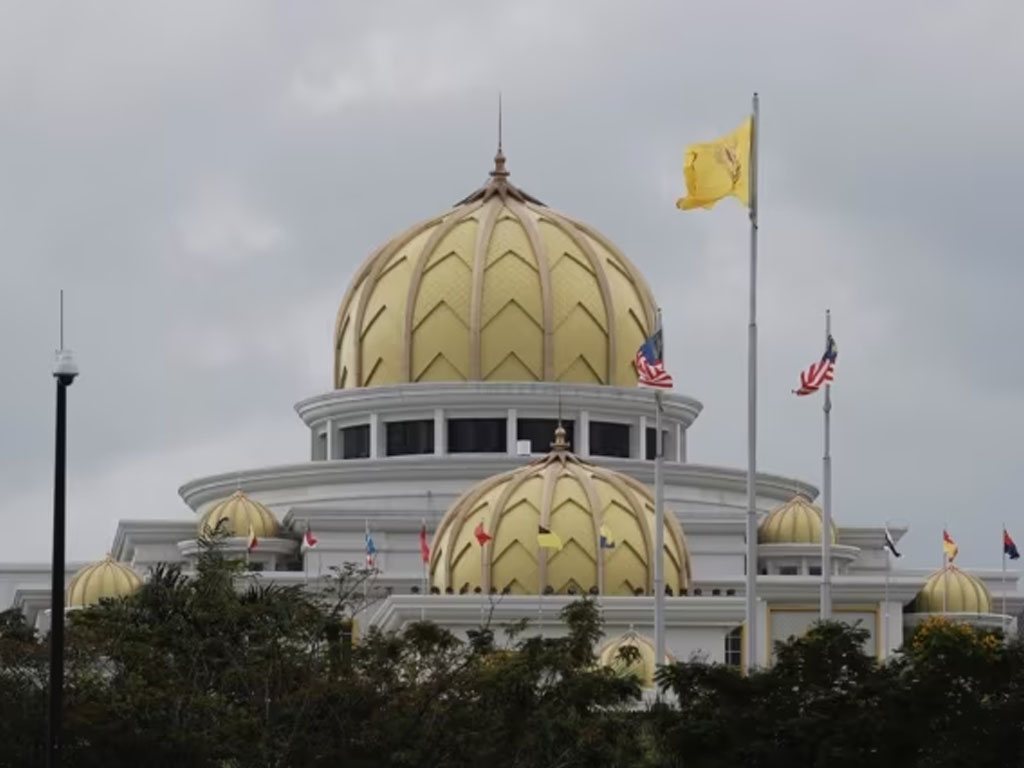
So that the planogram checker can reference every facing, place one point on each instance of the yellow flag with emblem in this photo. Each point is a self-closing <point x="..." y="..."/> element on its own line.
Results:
<point x="718" y="169"/>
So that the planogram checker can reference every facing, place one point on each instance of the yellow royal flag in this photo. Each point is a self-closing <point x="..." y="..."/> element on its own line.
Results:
<point x="718" y="169"/>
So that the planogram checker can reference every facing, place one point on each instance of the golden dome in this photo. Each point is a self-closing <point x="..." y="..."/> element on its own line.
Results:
<point x="642" y="669"/>
<point x="573" y="499"/>
<point x="951" y="590"/>
<point x="240" y="512"/>
<point x="798" y="521"/>
<point x="499" y="288"/>
<point x="105" y="579"/>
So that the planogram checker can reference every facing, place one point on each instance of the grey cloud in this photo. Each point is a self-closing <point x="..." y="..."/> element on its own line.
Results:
<point x="204" y="181"/>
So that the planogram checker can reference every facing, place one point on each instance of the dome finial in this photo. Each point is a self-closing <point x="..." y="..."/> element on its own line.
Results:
<point x="499" y="171"/>
<point x="561" y="443"/>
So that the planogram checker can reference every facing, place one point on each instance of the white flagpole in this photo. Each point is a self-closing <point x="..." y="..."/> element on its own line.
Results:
<point x="888" y="570"/>
<point x="1004" y="577"/>
<point x="826" y="532"/>
<point x="751" y="587"/>
<point x="945" y="568"/>
<point x="659" y="524"/>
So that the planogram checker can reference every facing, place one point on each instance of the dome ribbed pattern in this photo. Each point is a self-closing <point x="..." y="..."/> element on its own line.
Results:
<point x="798" y="521"/>
<point x="499" y="288"/>
<point x="99" y="581"/>
<point x="573" y="499"/>
<point x="951" y="590"/>
<point x="239" y="511"/>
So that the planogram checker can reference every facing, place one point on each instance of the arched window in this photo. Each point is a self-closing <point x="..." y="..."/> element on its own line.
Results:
<point x="734" y="648"/>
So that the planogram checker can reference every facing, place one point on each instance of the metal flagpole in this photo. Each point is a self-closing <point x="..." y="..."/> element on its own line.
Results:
<point x="945" y="567"/>
<point x="885" y="627"/>
<point x="1004" y="577"/>
<point x="826" y="532"/>
<point x="751" y="588"/>
<point x="659" y="533"/>
<point x="659" y="522"/>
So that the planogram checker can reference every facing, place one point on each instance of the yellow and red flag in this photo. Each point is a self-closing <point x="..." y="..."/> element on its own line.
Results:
<point x="718" y="169"/>
<point x="949" y="547"/>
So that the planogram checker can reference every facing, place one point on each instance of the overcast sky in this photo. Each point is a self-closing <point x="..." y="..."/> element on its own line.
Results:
<point x="203" y="179"/>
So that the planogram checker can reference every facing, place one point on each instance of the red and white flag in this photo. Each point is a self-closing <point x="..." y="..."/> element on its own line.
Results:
<point x="309" y="541"/>
<point x="820" y="373"/>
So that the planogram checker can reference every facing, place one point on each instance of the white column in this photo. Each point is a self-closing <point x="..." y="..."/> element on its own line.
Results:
<point x="375" y="427"/>
<point x="510" y="432"/>
<point x="440" y="443"/>
<point x="582" y="447"/>
<point x="330" y="440"/>
<point x="641" y="452"/>
<point x="680" y="444"/>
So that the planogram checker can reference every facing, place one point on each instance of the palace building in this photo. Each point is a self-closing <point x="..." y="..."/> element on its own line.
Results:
<point x="483" y="379"/>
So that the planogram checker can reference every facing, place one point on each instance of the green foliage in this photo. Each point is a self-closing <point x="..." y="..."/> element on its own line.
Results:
<point x="219" y="669"/>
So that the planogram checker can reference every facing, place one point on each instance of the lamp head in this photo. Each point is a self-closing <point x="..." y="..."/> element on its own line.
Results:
<point x="65" y="368"/>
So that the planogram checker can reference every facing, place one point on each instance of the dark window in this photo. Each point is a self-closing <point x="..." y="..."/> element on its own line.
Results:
<point x="541" y="433"/>
<point x="815" y="570"/>
<point x="477" y="435"/>
<point x="651" y="445"/>
<point x="409" y="437"/>
<point x="355" y="442"/>
<point x="607" y="439"/>
<point x="734" y="648"/>
<point x="788" y="570"/>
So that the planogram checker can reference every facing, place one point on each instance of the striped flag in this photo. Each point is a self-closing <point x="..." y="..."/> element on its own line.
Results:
<point x="650" y="367"/>
<point x="821" y="372"/>
<point x="309" y="541"/>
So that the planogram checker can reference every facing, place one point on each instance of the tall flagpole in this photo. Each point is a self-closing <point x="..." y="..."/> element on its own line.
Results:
<point x="826" y="532"/>
<point x="659" y="525"/>
<point x="751" y="589"/>
<point x="1004" y="576"/>
<point x="888" y="570"/>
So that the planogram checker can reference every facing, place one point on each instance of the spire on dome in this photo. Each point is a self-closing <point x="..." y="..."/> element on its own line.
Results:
<point x="499" y="185"/>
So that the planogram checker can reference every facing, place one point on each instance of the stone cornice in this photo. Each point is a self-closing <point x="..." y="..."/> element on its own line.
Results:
<point x="772" y="551"/>
<point x="130" y="533"/>
<point x="468" y="468"/>
<point x="344" y="402"/>
<point x="465" y="610"/>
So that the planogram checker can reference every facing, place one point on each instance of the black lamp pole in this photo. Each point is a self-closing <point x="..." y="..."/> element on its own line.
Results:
<point x="64" y="371"/>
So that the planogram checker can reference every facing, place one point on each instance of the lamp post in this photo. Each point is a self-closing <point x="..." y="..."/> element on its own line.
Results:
<point x="64" y="371"/>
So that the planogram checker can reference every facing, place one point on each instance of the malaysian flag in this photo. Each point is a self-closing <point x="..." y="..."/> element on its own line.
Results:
<point x="650" y="368"/>
<point x="821" y="372"/>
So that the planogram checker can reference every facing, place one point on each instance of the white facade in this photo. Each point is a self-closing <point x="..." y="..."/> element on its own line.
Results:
<point x="338" y="498"/>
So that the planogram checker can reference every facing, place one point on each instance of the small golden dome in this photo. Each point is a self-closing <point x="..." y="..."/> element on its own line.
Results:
<point x="798" y="521"/>
<point x="240" y="511"/>
<point x="951" y="590"/>
<point x="642" y="669"/>
<point x="105" y="579"/>
<point x="573" y="499"/>
<point x="499" y="288"/>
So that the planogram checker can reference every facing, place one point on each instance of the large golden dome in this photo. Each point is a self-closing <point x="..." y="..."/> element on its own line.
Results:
<point x="99" y="581"/>
<point x="951" y="590"/>
<point x="499" y="288"/>
<point x="573" y="499"/>
<point x="798" y="521"/>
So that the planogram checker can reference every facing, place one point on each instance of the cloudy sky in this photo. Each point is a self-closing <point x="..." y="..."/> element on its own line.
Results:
<point x="203" y="179"/>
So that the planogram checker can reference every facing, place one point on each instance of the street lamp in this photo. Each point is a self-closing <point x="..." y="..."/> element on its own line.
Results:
<point x="64" y="371"/>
